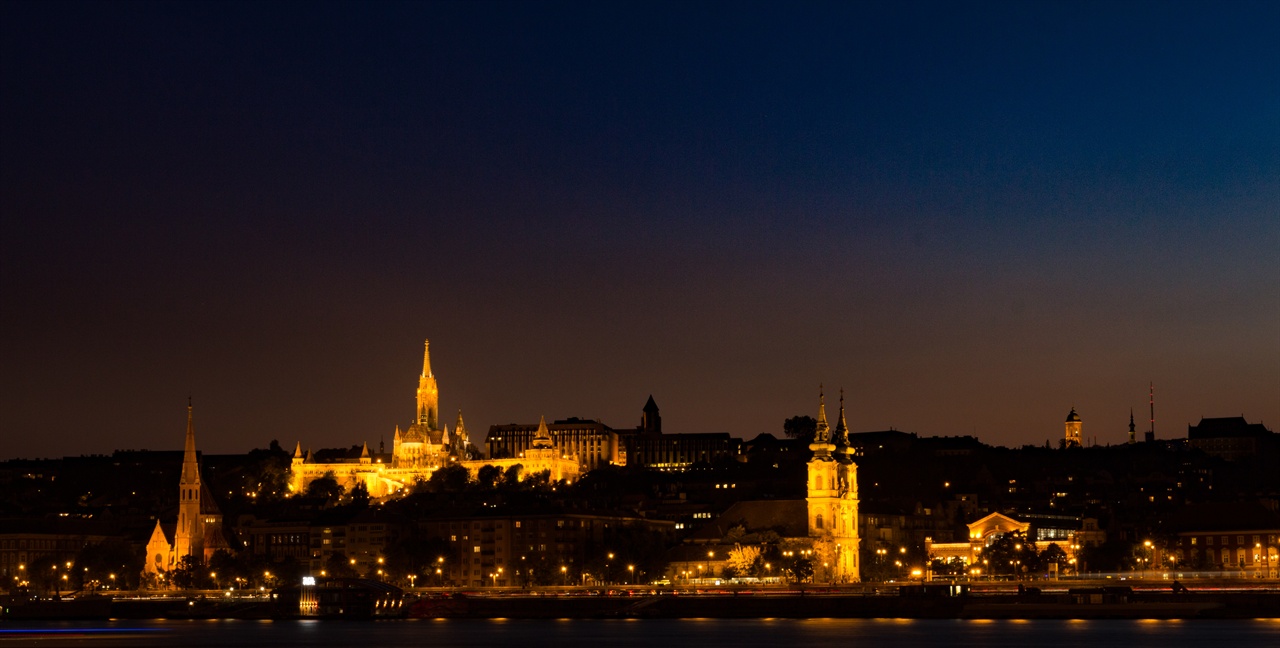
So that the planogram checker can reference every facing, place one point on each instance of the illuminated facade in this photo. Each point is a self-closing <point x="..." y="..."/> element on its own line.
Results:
<point x="1071" y="437"/>
<point x="419" y="450"/>
<point x="832" y="499"/>
<point x="198" y="532"/>
<point x="981" y="534"/>
<point x="591" y="443"/>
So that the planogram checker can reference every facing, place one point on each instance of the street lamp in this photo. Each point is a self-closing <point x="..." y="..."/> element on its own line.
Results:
<point x="632" y="569"/>
<point x="564" y="575"/>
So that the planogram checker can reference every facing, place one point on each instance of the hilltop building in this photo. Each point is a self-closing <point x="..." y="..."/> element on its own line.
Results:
<point x="198" y="532"/>
<point x="424" y="447"/>
<point x="1071" y="438"/>
<point x="591" y="443"/>
<point x="1233" y="438"/>
<point x="648" y="447"/>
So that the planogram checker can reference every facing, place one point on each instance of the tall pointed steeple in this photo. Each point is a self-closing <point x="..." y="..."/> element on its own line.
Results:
<point x="841" y="436"/>
<point x="821" y="445"/>
<point x="190" y="468"/>
<point x="188" y="537"/>
<point x="426" y="359"/>
<point x="1133" y="428"/>
<point x="428" y="393"/>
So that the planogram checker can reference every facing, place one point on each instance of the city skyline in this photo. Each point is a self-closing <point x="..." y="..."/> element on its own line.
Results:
<point x="972" y="217"/>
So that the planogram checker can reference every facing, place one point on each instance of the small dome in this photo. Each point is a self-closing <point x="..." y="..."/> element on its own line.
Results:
<point x="1073" y="417"/>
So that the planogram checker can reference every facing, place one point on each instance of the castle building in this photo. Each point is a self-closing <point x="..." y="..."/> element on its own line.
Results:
<point x="424" y="447"/>
<point x="198" y="532"/>
<point x="1071" y="438"/>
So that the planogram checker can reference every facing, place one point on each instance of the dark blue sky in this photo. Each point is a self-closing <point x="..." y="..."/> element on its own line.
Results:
<point x="973" y="216"/>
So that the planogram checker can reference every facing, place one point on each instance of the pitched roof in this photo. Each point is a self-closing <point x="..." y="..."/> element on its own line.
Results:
<point x="787" y="518"/>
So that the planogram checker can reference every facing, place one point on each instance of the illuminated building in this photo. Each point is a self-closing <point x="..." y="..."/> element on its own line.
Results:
<point x="981" y="534"/>
<point x="422" y="448"/>
<point x="833" y="498"/>
<point x="591" y="443"/>
<point x="1071" y="438"/>
<point x="198" y="532"/>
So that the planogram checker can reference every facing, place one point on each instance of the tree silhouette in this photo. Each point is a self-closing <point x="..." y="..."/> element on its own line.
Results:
<point x="800" y="427"/>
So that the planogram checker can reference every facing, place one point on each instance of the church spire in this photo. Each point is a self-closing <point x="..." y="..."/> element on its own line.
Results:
<point x="841" y="436"/>
<point x="821" y="445"/>
<point x="823" y="432"/>
<point x="426" y="359"/>
<point x="428" y="393"/>
<point x="190" y="466"/>
<point x="1133" y="428"/>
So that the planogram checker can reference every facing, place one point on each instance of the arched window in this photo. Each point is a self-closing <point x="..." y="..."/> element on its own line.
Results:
<point x="818" y="521"/>
<point x="820" y="483"/>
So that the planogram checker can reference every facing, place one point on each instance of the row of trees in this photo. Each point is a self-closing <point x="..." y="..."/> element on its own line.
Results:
<point x="111" y="564"/>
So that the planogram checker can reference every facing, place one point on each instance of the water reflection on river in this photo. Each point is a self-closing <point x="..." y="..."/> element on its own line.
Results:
<point x="660" y="633"/>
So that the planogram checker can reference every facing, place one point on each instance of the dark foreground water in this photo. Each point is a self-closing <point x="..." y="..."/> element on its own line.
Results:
<point x="649" y="633"/>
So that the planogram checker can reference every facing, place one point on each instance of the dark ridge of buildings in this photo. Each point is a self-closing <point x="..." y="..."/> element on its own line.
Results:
<point x="1234" y="439"/>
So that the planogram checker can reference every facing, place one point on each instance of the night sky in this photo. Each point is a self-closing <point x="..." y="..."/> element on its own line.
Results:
<point x="970" y="216"/>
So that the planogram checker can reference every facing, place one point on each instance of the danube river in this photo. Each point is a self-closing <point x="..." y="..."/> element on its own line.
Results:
<point x="650" y="633"/>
